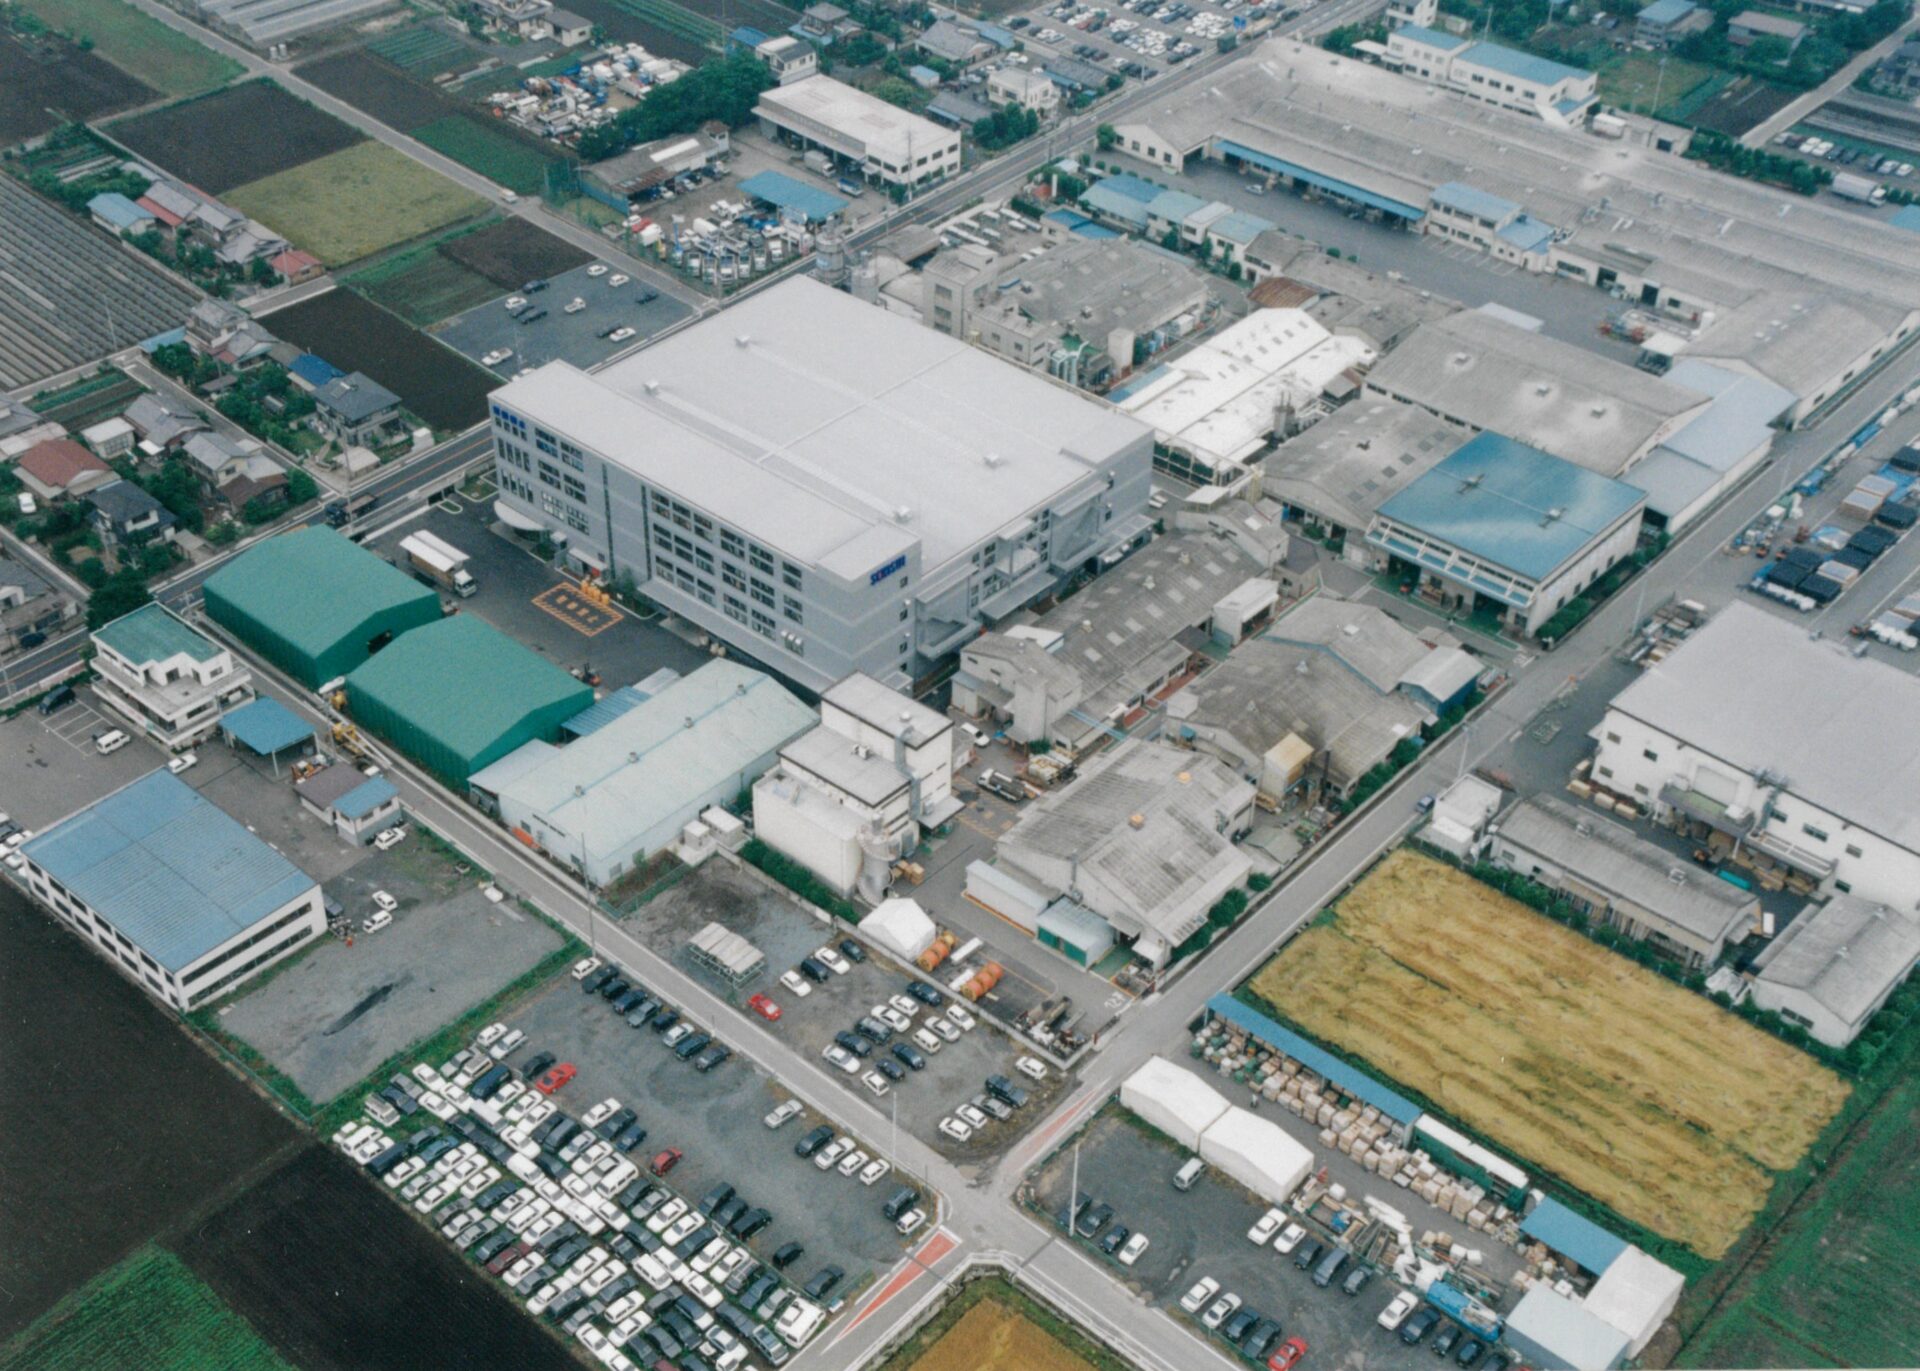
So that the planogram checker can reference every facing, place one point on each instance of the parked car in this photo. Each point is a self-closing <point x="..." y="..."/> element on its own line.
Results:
<point x="1131" y="1250"/>
<point x="764" y="1007"/>
<point x="1203" y="1290"/>
<point x="1217" y="1313"/>
<point x="813" y="1141"/>
<point x="797" y="983"/>
<point x="1418" y="1326"/>
<point x="926" y="994"/>
<point x="1444" y="1341"/>
<point x="1289" y="1355"/>
<point x="782" y="1112"/>
<point x="1265" y="1226"/>
<point x="786" y="1256"/>
<point x="555" y="1077"/>
<point x="1397" y="1310"/>
<point x="852" y="950"/>
<point x="664" y="1161"/>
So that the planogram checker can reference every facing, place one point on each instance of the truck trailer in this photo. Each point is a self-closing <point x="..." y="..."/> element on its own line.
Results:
<point x="438" y="562"/>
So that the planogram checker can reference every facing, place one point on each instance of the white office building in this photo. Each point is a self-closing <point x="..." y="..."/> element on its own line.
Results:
<point x="823" y="485"/>
<point x="880" y="141"/>
<point x="170" y="681"/>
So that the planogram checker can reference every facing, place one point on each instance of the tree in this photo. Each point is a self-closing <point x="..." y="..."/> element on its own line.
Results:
<point x="905" y="94"/>
<point x="121" y="593"/>
<point x="1108" y="136"/>
<point x="263" y="273"/>
<point x="725" y="88"/>
<point x="300" y="488"/>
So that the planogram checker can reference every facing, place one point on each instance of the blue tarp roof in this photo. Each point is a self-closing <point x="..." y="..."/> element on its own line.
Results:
<point x="266" y="726"/>
<point x="315" y="370"/>
<point x="1468" y="199"/>
<point x="747" y="37"/>
<point x="602" y="712"/>
<point x="1512" y="505"/>
<point x="1174" y="205"/>
<point x="1351" y="1079"/>
<point x="1433" y="38"/>
<point x="1133" y="187"/>
<point x="117" y="210"/>
<point x="1583" y="1240"/>
<point x="167" y="868"/>
<point x="781" y="190"/>
<point x="1528" y="233"/>
<point x="1907" y="217"/>
<point x="1115" y="204"/>
<point x="1522" y="65"/>
<point x="364" y="798"/>
<point x="1267" y="162"/>
<point x="1080" y="224"/>
<point x="1239" y="227"/>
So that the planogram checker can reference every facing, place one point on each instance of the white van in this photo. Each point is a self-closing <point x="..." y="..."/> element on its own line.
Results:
<point x="110" y="741"/>
<point x="1188" y="1173"/>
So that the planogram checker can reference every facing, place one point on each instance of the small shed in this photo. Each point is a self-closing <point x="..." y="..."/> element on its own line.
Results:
<point x="1554" y="1333"/>
<point x="355" y="805"/>
<point x="267" y="728"/>
<point x="1076" y="932"/>
<point x="726" y="954"/>
<point x="791" y="195"/>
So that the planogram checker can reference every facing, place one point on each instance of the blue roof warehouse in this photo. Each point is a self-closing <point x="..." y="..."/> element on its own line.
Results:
<point x="174" y="889"/>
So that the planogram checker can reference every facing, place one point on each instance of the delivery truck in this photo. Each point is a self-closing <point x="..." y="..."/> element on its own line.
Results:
<point x="438" y="562"/>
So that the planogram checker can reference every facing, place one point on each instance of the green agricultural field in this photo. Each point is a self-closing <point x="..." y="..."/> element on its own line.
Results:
<point x="498" y="156"/>
<point x="355" y="202"/>
<point x="143" y="47"/>
<point x="149" y="1313"/>
<point x="423" y="285"/>
<point x="422" y="48"/>
<point x="1833" y="1287"/>
<point x="1635" y="81"/>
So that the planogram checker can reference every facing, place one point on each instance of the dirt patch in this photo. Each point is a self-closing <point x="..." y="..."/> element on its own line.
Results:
<point x="424" y="286"/>
<point x="1649" y="1098"/>
<point x="46" y="82"/>
<point x="513" y="252"/>
<point x="116" y="1127"/>
<point x="356" y="202"/>
<point x="353" y="333"/>
<point x="369" y="84"/>
<point x="992" y="1337"/>
<point x="234" y="136"/>
<point x="1746" y="102"/>
<point x="331" y="1272"/>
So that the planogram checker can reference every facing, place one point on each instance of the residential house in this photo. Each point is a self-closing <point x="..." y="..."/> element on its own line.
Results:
<point x="215" y="458"/>
<point x="109" y="438"/>
<point x="127" y="517"/>
<point x="161" y="427"/>
<point x="31" y="606"/>
<point x="1024" y="89"/>
<point x="260" y="478"/>
<point x="1898" y="73"/>
<point x="570" y="30"/>
<point x="788" y="58"/>
<point x="59" y="466"/>
<point x="309" y="372"/>
<point x="1666" y="22"/>
<point x="355" y="408"/>
<point x="953" y="42"/>
<point x="171" y="681"/>
<point x="824" y="24"/>
<point x="296" y="267"/>
<point x="1752" y="26"/>
<point x="228" y="335"/>
<point x="117" y="214"/>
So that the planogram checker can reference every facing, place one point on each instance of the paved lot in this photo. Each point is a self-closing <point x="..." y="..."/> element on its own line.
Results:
<point x="341" y="1011"/>
<point x="766" y="917"/>
<point x="560" y="336"/>
<point x="49" y="766"/>
<point x="716" y="1121"/>
<point x="1202" y="1232"/>
<point x="512" y="582"/>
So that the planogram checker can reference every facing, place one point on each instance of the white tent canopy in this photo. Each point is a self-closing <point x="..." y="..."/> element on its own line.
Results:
<point x="1256" y="1152"/>
<point x="901" y="926"/>
<point x="1173" y="1100"/>
<point x="1635" y="1294"/>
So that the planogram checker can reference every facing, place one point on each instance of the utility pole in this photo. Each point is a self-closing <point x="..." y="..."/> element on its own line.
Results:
<point x="1073" y="1194"/>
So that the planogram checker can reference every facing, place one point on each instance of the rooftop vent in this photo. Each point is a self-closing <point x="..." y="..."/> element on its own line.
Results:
<point x="903" y="513"/>
<point x="1552" y="516"/>
<point x="653" y="387"/>
<point x="1136" y="821"/>
<point x="1598" y="411"/>
<point x="1544" y="388"/>
<point x="993" y="459"/>
<point x="740" y="340"/>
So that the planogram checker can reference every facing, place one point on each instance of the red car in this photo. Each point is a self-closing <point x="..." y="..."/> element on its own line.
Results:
<point x="1288" y="1356"/>
<point x="554" y="1077"/>
<point x="665" y="1161"/>
<point x="764" y="1007"/>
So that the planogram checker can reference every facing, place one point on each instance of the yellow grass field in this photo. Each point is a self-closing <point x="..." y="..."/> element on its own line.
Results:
<point x="1643" y="1095"/>
<point x="992" y="1337"/>
<point x="352" y="203"/>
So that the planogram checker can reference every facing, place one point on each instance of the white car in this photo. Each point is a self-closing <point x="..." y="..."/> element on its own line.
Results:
<point x="795" y="982"/>
<point x="1130" y="1253"/>
<point x="181" y="763"/>
<point x="970" y="1116"/>
<point x="926" y="1041"/>
<point x="909" y="1221"/>
<point x="585" y="967"/>
<point x="703" y="1260"/>
<point x="390" y="839"/>
<point x="514" y="302"/>
<point x="1032" y="1067"/>
<point x="384" y="902"/>
<point x="849" y="1164"/>
<point x="892" y="1018"/>
<point x="1203" y="1290"/>
<point x="373" y="923"/>
<point x="841" y="1058"/>
<point x="499" y="1052"/>
<point x="1290" y="1239"/>
<point x="491" y="1034"/>
<point x="1397" y="1310"/>
<point x="604" y="1109"/>
<point x="782" y="1113"/>
<point x="832" y="1152"/>
<point x="597" y="269"/>
<point x="874" y="1171"/>
<point x="575" y="305"/>
<point x="496" y="357"/>
<point x="619" y="278"/>
<point x="904" y="1004"/>
<point x="956" y="1130"/>
<point x="1263" y="1228"/>
<point x="1222" y="1307"/>
<point x="960" y="1016"/>
<point x="876" y="1084"/>
<point x="832" y="960"/>
<point x="678" y="1033"/>
<point x="620" y="335"/>
<point x="978" y="736"/>
<point x="944" y="1027"/>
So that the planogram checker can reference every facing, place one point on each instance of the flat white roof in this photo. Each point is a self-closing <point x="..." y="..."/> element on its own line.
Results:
<point x="834" y="432"/>
<point x="886" y="131"/>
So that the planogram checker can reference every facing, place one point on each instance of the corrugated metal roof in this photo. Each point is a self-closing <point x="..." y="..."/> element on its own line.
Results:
<point x="266" y="726"/>
<point x="1522" y="65"/>
<point x="1572" y="1236"/>
<point x="1352" y="1080"/>
<point x="167" y="868"/>
<point x="785" y="192"/>
<point x="1433" y="38"/>
<point x="1512" y="505"/>
<point x="1458" y="195"/>
<point x="1554" y="1333"/>
<point x="602" y="712"/>
<point x="366" y="797"/>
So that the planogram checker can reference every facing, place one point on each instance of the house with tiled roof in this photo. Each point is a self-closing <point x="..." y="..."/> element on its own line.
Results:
<point x="59" y="467"/>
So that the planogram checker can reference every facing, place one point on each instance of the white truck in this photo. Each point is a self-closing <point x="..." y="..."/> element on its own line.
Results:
<point x="1862" y="188"/>
<point x="436" y="560"/>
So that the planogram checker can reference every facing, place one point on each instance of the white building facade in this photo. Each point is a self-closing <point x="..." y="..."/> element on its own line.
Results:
<point x="170" y="681"/>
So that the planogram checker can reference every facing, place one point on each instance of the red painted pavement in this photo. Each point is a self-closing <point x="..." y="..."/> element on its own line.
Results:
<point x="912" y="1269"/>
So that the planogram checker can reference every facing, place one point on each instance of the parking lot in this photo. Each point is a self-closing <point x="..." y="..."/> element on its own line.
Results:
<point x="716" y="1119"/>
<point x="1143" y="38"/>
<point x="512" y="582"/>
<point x="953" y="1073"/>
<point x="582" y="316"/>
<point x="49" y="766"/>
<point x="1201" y="1233"/>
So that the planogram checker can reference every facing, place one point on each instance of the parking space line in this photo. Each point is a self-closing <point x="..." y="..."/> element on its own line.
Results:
<point x="565" y="603"/>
